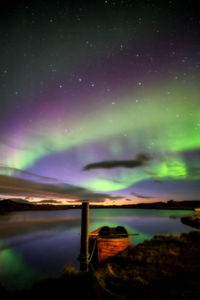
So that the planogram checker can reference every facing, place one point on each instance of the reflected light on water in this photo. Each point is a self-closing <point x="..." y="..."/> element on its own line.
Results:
<point x="38" y="244"/>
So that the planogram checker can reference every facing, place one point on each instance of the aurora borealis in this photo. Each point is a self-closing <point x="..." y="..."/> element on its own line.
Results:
<point x="97" y="83"/>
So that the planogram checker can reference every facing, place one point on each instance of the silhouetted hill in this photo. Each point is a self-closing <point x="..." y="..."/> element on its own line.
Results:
<point x="10" y="205"/>
<point x="171" y="204"/>
<point x="190" y="204"/>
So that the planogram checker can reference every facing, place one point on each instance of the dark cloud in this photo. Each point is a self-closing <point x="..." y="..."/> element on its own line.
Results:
<point x="140" y="160"/>
<point x="28" y="175"/>
<point x="116" y="197"/>
<point x="49" y="201"/>
<point x="25" y="188"/>
<point x="158" y="181"/>
<point x="142" y="196"/>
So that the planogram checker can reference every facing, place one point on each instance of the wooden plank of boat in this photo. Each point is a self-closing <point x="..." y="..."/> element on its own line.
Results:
<point x="95" y="233"/>
<point x="110" y="241"/>
<point x="110" y="247"/>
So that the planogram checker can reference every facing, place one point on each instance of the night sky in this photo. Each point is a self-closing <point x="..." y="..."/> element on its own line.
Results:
<point x="100" y="100"/>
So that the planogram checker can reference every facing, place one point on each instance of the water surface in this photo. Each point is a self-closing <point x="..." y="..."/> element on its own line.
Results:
<point x="38" y="244"/>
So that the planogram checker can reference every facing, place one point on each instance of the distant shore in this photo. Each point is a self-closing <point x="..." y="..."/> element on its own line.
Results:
<point x="11" y="205"/>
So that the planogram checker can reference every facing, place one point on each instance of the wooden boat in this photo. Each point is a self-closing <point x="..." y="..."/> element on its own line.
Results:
<point x="106" y="242"/>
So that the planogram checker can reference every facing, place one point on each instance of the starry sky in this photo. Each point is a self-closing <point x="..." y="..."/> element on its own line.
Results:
<point x="100" y="101"/>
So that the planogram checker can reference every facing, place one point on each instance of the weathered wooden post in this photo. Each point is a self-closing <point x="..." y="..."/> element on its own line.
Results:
<point x="84" y="255"/>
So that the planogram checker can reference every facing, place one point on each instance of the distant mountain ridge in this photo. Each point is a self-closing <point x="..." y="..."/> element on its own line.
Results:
<point x="10" y="205"/>
<point x="171" y="204"/>
<point x="19" y="204"/>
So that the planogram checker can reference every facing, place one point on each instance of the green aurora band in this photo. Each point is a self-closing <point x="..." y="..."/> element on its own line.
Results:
<point x="164" y="124"/>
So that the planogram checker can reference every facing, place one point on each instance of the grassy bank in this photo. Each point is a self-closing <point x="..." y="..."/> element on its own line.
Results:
<point x="192" y="220"/>
<point x="162" y="268"/>
<point x="166" y="267"/>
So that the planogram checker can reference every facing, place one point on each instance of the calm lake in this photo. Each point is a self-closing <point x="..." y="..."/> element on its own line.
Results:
<point x="38" y="244"/>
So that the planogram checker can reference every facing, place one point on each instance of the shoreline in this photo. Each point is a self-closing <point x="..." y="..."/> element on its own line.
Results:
<point x="165" y="267"/>
<point x="192" y="220"/>
<point x="10" y="206"/>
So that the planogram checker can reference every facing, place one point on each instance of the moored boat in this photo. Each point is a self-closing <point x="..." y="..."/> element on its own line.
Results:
<point x="107" y="241"/>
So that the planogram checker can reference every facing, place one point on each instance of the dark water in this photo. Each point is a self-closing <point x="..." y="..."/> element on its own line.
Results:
<point x="38" y="244"/>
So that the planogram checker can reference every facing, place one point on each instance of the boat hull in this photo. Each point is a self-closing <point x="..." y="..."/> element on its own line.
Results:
<point x="110" y="244"/>
<point x="110" y="247"/>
